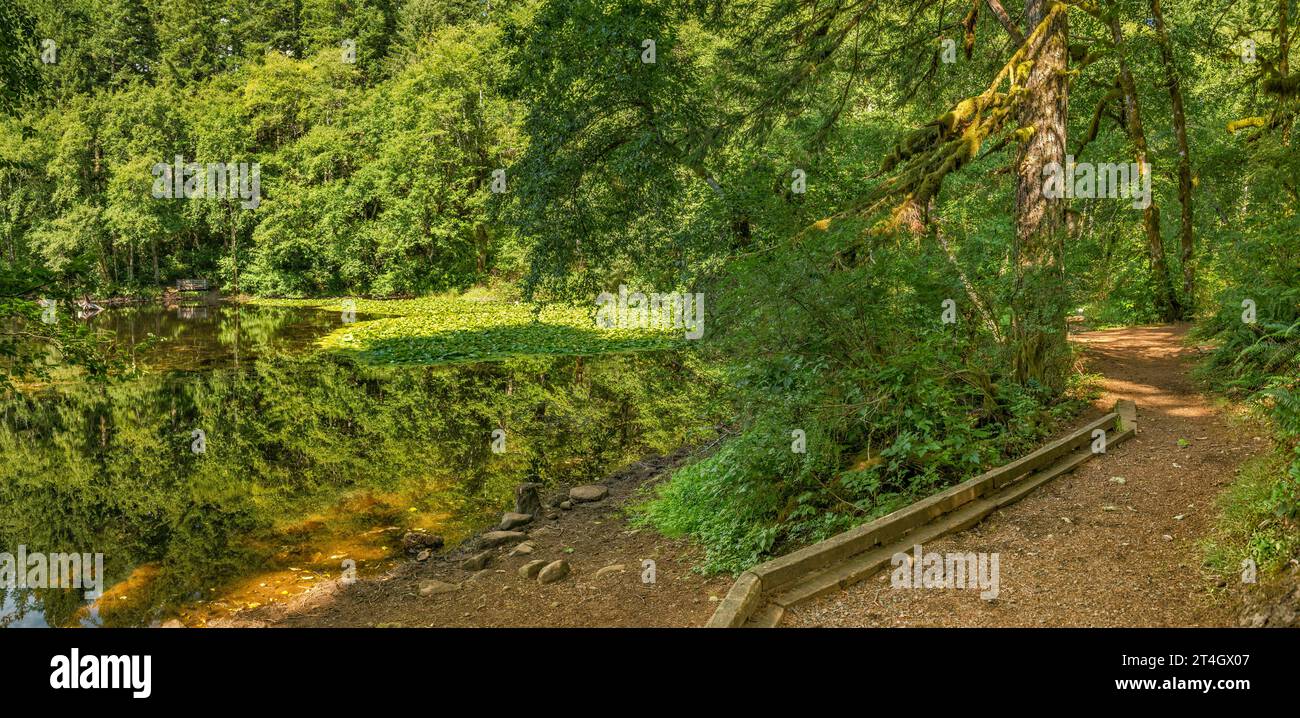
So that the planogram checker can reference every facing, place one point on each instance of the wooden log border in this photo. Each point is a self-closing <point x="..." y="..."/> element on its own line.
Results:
<point x="745" y="595"/>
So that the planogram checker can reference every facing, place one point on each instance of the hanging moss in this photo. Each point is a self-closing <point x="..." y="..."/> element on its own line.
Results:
<point x="1243" y="123"/>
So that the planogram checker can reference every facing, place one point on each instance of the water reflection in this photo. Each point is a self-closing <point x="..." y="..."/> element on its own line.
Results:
<point x="307" y="462"/>
<point x="193" y="336"/>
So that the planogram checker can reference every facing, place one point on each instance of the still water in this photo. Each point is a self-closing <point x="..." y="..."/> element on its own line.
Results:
<point x="307" y="461"/>
<point x="207" y="336"/>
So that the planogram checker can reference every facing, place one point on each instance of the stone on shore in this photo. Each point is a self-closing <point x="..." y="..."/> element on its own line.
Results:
<point x="590" y="492"/>
<point x="554" y="571"/>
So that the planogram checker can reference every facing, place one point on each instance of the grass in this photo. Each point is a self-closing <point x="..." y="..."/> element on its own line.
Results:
<point x="1249" y="526"/>
<point x="470" y="328"/>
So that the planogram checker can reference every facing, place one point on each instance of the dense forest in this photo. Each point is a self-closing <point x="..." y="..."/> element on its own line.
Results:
<point x="894" y="208"/>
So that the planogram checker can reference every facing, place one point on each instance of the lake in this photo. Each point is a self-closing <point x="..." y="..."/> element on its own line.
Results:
<point x="306" y="460"/>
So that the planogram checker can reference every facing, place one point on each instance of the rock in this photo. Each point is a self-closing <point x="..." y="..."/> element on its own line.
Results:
<point x="528" y="499"/>
<point x="531" y="569"/>
<point x="434" y="587"/>
<point x="477" y="561"/>
<point x="553" y="571"/>
<point x="523" y="549"/>
<point x="415" y="541"/>
<point x="511" y="520"/>
<point x="173" y="623"/>
<point x="1274" y="607"/>
<point x="613" y="568"/>
<point x="480" y="574"/>
<point x="236" y="623"/>
<point x="566" y="505"/>
<point x="590" y="492"/>
<point x="423" y="555"/>
<point x="315" y="597"/>
<point x="496" y="538"/>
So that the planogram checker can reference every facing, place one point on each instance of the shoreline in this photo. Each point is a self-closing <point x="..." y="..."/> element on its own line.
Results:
<point x="487" y="579"/>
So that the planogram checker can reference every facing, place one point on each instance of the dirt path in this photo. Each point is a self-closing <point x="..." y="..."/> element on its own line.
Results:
<point x="1089" y="549"/>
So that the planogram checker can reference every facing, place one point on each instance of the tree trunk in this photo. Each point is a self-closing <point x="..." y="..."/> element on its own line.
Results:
<point x="1040" y="355"/>
<point x="1186" y="242"/>
<point x="234" y="248"/>
<point x="1162" y="287"/>
<point x="1284" y="57"/>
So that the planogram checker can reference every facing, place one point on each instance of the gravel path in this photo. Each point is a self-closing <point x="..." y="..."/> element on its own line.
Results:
<point x="1116" y="543"/>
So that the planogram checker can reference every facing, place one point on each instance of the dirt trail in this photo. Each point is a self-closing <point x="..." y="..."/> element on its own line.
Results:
<point x="1088" y="549"/>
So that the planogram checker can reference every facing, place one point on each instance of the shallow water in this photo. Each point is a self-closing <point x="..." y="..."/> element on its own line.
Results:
<point x="305" y="463"/>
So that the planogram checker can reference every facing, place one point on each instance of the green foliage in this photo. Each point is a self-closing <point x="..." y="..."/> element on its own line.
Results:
<point x="1249" y="526"/>
<point x="447" y="330"/>
<point x="894" y="404"/>
<point x="373" y="172"/>
<point x="1259" y="361"/>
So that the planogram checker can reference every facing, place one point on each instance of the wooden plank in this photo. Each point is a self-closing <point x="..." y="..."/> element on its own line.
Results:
<point x="1128" y="414"/>
<point x="1055" y="450"/>
<point x="766" y="617"/>
<point x="788" y="568"/>
<point x="739" y="603"/>
<point x="1022" y="488"/>
<point x="867" y="564"/>
<point x="861" y="567"/>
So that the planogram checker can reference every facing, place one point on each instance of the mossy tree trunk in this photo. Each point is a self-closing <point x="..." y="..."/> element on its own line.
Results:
<point x="1040" y="354"/>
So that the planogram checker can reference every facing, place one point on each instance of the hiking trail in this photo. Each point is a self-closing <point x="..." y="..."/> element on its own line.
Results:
<point x="1116" y="542"/>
